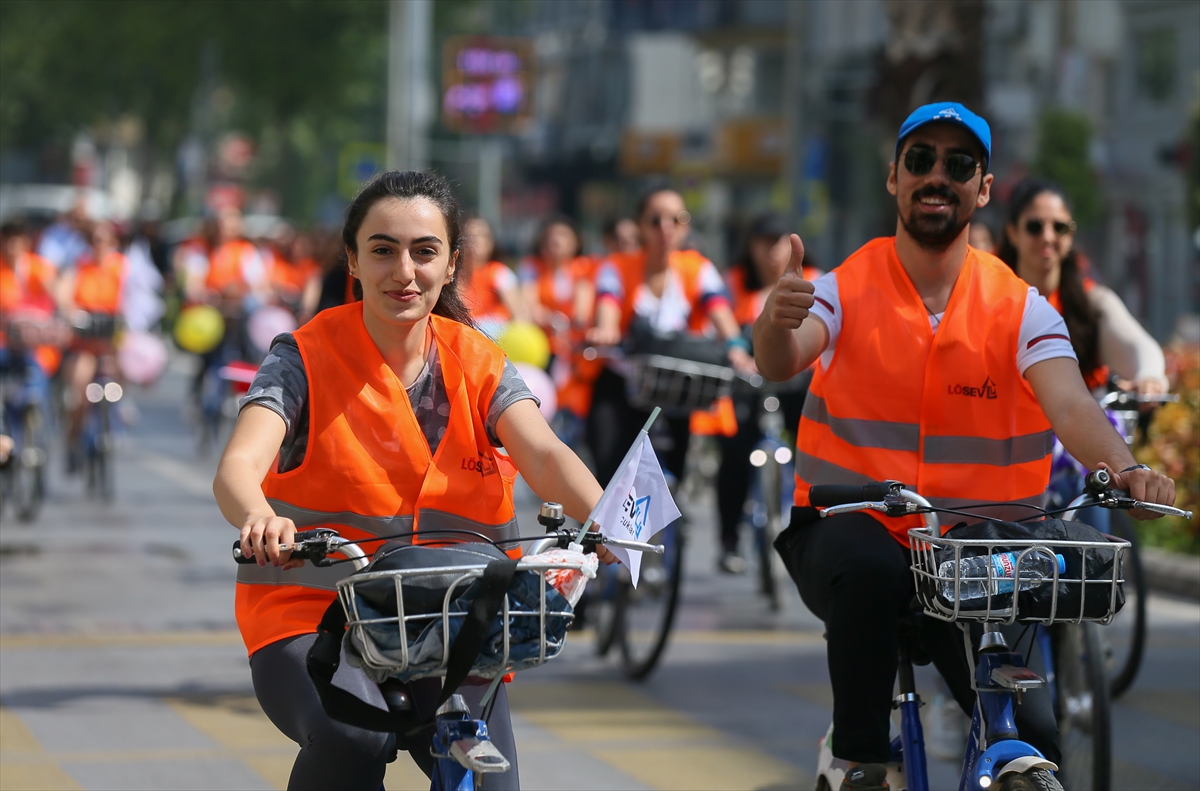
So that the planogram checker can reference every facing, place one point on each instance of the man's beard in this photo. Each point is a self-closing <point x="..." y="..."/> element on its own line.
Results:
<point x="935" y="233"/>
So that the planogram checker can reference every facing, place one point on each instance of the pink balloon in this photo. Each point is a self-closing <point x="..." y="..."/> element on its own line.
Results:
<point x="542" y="387"/>
<point x="267" y="322"/>
<point x="142" y="357"/>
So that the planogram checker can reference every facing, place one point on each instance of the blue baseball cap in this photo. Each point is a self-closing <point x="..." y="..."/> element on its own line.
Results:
<point x="948" y="112"/>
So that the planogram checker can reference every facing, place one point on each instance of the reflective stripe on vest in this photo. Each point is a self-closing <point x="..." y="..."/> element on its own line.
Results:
<point x="947" y="413"/>
<point x="368" y="471"/>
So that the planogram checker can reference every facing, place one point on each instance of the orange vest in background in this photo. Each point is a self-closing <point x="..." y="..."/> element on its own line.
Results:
<point x="686" y="264"/>
<point x="1098" y="376"/>
<point x="98" y="283"/>
<point x="575" y="375"/>
<point x="482" y="297"/>
<point x="946" y="413"/>
<point x="368" y="471"/>
<point x="26" y="282"/>
<point x="225" y="264"/>
<point x="748" y="304"/>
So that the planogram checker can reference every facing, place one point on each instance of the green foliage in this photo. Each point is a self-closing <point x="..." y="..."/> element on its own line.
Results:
<point x="1064" y="139"/>
<point x="289" y="65"/>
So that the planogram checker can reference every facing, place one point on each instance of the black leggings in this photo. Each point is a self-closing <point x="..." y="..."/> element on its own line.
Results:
<point x="855" y="577"/>
<point x="335" y="755"/>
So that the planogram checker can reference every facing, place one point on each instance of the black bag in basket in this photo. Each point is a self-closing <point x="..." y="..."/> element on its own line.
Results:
<point x="1035" y="602"/>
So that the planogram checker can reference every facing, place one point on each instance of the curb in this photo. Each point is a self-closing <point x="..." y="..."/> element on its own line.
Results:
<point x="1171" y="572"/>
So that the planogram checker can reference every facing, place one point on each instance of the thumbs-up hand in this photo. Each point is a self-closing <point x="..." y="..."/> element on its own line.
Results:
<point x="788" y="304"/>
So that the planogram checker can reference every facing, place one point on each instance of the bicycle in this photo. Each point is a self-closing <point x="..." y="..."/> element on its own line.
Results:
<point x="771" y="488"/>
<point x="995" y="755"/>
<point x="23" y="392"/>
<point x="461" y="743"/>
<point x="96" y="442"/>
<point x="1125" y="638"/>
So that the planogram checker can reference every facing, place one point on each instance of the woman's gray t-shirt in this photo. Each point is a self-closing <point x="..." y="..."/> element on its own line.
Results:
<point x="281" y="385"/>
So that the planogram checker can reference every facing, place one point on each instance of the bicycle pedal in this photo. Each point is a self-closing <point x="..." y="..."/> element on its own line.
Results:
<point x="479" y="756"/>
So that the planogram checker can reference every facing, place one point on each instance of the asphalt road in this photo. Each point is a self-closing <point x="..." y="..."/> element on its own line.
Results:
<point x="120" y="665"/>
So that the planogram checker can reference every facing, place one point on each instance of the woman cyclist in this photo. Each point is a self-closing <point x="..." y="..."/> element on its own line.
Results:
<point x="379" y="416"/>
<point x="90" y="296"/>
<point x="669" y="290"/>
<point x="559" y="289"/>
<point x="1039" y="244"/>
<point x="492" y="293"/>
<point x="750" y="278"/>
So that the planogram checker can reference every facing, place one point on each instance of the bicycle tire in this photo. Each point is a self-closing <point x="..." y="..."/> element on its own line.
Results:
<point x="29" y="487"/>
<point x="1033" y="780"/>
<point x="1082" y="707"/>
<point x="645" y="615"/>
<point x="602" y="609"/>
<point x="764" y="536"/>
<point x="104" y="457"/>
<point x="1128" y="630"/>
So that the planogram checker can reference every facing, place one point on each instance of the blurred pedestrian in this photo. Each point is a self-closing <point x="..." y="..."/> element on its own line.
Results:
<point x="64" y="241"/>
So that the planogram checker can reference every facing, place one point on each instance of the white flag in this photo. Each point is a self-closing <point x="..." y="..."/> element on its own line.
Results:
<point x="637" y="503"/>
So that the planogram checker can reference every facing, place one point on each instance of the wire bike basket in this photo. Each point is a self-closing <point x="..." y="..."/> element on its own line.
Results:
<point x="1088" y="590"/>
<point x="415" y="642"/>
<point x="678" y="386"/>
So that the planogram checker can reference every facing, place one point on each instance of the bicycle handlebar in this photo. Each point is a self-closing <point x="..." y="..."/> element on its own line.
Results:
<point x="826" y="495"/>
<point x="1132" y="398"/>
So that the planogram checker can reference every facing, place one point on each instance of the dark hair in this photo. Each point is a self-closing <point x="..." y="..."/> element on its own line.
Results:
<point x="609" y="228"/>
<point x="1081" y="318"/>
<point x="644" y="198"/>
<point x="558" y="219"/>
<point x="409" y="185"/>
<point x="14" y="228"/>
<point x="767" y="225"/>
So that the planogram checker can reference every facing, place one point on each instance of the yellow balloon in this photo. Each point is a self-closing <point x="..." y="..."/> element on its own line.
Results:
<point x="199" y="329"/>
<point x="525" y="342"/>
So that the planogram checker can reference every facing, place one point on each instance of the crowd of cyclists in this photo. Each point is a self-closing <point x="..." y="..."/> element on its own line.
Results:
<point x="890" y="335"/>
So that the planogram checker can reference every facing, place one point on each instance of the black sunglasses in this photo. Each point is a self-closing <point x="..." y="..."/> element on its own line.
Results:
<point x="919" y="161"/>
<point x="1034" y="227"/>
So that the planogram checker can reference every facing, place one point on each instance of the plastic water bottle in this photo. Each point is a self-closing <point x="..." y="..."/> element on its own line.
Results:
<point x="1036" y="568"/>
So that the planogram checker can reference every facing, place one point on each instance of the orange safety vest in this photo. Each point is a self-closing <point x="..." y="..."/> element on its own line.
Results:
<point x="368" y="471"/>
<point x="482" y="296"/>
<point x="26" y="282"/>
<point x="946" y="413"/>
<point x="574" y="376"/>
<point x="686" y="265"/>
<point x="98" y="283"/>
<point x="225" y="264"/>
<point x="1098" y="376"/>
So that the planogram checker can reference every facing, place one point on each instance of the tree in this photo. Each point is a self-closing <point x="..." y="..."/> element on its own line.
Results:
<point x="1064" y="141"/>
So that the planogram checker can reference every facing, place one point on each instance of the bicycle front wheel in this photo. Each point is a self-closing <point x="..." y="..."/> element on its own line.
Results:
<point x="1082" y="707"/>
<point x="1125" y="637"/>
<point x="645" y="614"/>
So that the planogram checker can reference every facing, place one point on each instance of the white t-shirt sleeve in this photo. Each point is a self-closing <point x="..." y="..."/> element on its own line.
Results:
<point x="505" y="279"/>
<point x="827" y="306"/>
<point x="1043" y="334"/>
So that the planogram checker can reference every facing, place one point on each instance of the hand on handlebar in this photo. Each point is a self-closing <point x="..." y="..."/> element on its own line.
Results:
<point x="788" y="303"/>
<point x="262" y="536"/>
<point x="742" y="361"/>
<point x="1147" y="486"/>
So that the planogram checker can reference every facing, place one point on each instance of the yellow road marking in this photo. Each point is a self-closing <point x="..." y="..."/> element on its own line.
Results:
<point x="23" y="764"/>
<point x="18" y="642"/>
<point x="647" y="741"/>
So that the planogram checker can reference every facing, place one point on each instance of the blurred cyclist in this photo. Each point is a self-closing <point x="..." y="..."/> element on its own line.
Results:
<point x="750" y="277"/>
<point x="981" y="238"/>
<point x="90" y="296"/>
<point x="668" y="290"/>
<point x="492" y="291"/>
<point x="1039" y="244"/>
<point x="620" y="235"/>
<point x="27" y="287"/>
<point x="65" y="240"/>
<point x="559" y="290"/>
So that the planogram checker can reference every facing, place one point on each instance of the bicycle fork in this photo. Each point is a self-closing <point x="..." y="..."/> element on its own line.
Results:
<point x="993" y="746"/>
<point x="463" y="748"/>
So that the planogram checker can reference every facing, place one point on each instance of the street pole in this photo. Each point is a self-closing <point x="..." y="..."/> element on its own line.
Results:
<point x="410" y="95"/>
<point x="793" y="99"/>
<point x="491" y="171"/>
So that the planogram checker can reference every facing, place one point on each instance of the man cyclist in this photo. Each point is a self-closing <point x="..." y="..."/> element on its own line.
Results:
<point x="939" y="367"/>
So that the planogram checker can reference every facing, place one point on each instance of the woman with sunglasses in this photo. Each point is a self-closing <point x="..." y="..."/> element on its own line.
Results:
<point x="1039" y="245"/>
<point x="668" y="289"/>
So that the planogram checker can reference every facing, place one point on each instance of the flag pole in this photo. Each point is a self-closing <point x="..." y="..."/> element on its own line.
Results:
<point x="625" y="461"/>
